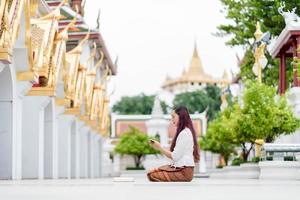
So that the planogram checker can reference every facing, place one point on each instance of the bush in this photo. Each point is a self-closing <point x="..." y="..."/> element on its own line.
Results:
<point x="255" y="159"/>
<point x="136" y="144"/>
<point x="269" y="158"/>
<point x="237" y="161"/>
<point x="219" y="166"/>
<point x="289" y="158"/>
<point x="135" y="168"/>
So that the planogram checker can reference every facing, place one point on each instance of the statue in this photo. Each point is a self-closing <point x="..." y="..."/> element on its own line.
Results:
<point x="290" y="17"/>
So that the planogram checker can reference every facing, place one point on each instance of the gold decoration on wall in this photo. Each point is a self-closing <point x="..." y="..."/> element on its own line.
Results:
<point x="56" y="57"/>
<point x="70" y="69"/>
<point x="89" y="83"/>
<point x="103" y="114"/>
<point x="10" y="20"/>
<point x="79" y="89"/>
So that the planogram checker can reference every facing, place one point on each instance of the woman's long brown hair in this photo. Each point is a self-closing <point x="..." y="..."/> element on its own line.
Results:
<point x="185" y="122"/>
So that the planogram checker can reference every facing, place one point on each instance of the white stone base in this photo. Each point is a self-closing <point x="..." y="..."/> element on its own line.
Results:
<point x="279" y="170"/>
<point x="245" y="171"/>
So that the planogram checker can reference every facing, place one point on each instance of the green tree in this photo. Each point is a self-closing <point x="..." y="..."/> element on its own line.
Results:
<point x="244" y="14"/>
<point x="262" y="117"/>
<point x="242" y="17"/>
<point x="136" y="144"/>
<point x="198" y="101"/>
<point x="219" y="137"/>
<point x="139" y="104"/>
<point x="286" y="123"/>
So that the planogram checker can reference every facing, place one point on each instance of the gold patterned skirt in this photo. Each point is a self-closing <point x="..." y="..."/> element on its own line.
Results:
<point x="168" y="173"/>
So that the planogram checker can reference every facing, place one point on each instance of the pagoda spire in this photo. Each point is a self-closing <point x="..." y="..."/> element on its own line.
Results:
<point x="195" y="54"/>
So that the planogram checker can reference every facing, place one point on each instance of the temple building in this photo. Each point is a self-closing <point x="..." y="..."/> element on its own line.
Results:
<point x="54" y="72"/>
<point x="155" y="124"/>
<point x="193" y="78"/>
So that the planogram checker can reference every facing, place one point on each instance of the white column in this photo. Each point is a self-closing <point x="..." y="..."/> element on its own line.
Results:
<point x="83" y="134"/>
<point x="77" y="150"/>
<point x="50" y="140"/>
<point x="202" y="164"/>
<point x="73" y="149"/>
<point x="64" y="145"/>
<point x="20" y="63"/>
<point x="98" y="150"/>
<point x="21" y="89"/>
<point x="89" y="150"/>
<point x="92" y="155"/>
<point x="6" y="123"/>
<point x="33" y="136"/>
<point x="107" y="166"/>
<point x="55" y="145"/>
<point x="116" y="164"/>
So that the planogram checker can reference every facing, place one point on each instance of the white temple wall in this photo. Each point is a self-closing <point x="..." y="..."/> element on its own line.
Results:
<point x="64" y="145"/>
<point x="6" y="122"/>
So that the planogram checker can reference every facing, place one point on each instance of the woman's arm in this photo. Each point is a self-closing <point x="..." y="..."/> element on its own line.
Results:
<point x="156" y="145"/>
<point x="166" y="152"/>
<point x="184" y="139"/>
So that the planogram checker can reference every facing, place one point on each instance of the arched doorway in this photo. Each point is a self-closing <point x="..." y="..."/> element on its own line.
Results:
<point x="6" y="120"/>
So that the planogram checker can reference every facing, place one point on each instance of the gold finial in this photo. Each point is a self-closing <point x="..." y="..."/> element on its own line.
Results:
<point x="195" y="54"/>
<point x="258" y="32"/>
<point x="93" y="54"/>
<point x="107" y="72"/>
<point x="98" y="19"/>
<point x="98" y="64"/>
<point x="78" y="48"/>
<point x="84" y="39"/>
<point x="33" y="7"/>
<point x="71" y="24"/>
<point x="225" y="75"/>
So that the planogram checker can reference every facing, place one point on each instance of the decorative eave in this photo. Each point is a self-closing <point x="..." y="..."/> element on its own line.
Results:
<point x="96" y="36"/>
<point x="72" y="111"/>
<point x="41" y="91"/>
<point x="80" y="30"/>
<point x="284" y="39"/>
<point x="62" y="102"/>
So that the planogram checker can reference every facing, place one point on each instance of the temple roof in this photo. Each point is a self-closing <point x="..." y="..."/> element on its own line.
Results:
<point x="194" y="74"/>
<point x="195" y="70"/>
<point x="80" y="29"/>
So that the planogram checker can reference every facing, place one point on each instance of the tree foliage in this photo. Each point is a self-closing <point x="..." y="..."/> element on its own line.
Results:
<point x="244" y="14"/>
<point x="219" y="136"/>
<point x="198" y="101"/>
<point x="262" y="115"/>
<point x="242" y="17"/>
<point x="135" y="143"/>
<point x="140" y="104"/>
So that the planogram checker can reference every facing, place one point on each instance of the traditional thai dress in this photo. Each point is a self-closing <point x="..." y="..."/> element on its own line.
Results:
<point x="182" y="166"/>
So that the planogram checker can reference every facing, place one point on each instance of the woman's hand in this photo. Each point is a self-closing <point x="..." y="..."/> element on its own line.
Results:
<point x="154" y="144"/>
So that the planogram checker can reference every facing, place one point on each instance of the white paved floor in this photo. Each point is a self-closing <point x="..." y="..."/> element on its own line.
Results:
<point x="141" y="189"/>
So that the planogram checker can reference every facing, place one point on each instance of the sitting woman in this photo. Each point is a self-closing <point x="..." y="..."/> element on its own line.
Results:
<point x="184" y="150"/>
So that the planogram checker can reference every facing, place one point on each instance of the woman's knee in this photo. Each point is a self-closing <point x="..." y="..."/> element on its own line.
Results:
<point x="150" y="178"/>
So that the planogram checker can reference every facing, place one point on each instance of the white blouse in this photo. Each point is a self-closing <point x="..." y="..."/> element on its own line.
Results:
<point x="182" y="154"/>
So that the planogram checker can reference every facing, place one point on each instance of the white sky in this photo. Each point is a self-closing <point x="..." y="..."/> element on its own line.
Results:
<point x="154" y="38"/>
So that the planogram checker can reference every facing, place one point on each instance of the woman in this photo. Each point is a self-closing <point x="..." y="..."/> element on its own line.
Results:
<point x="184" y="151"/>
